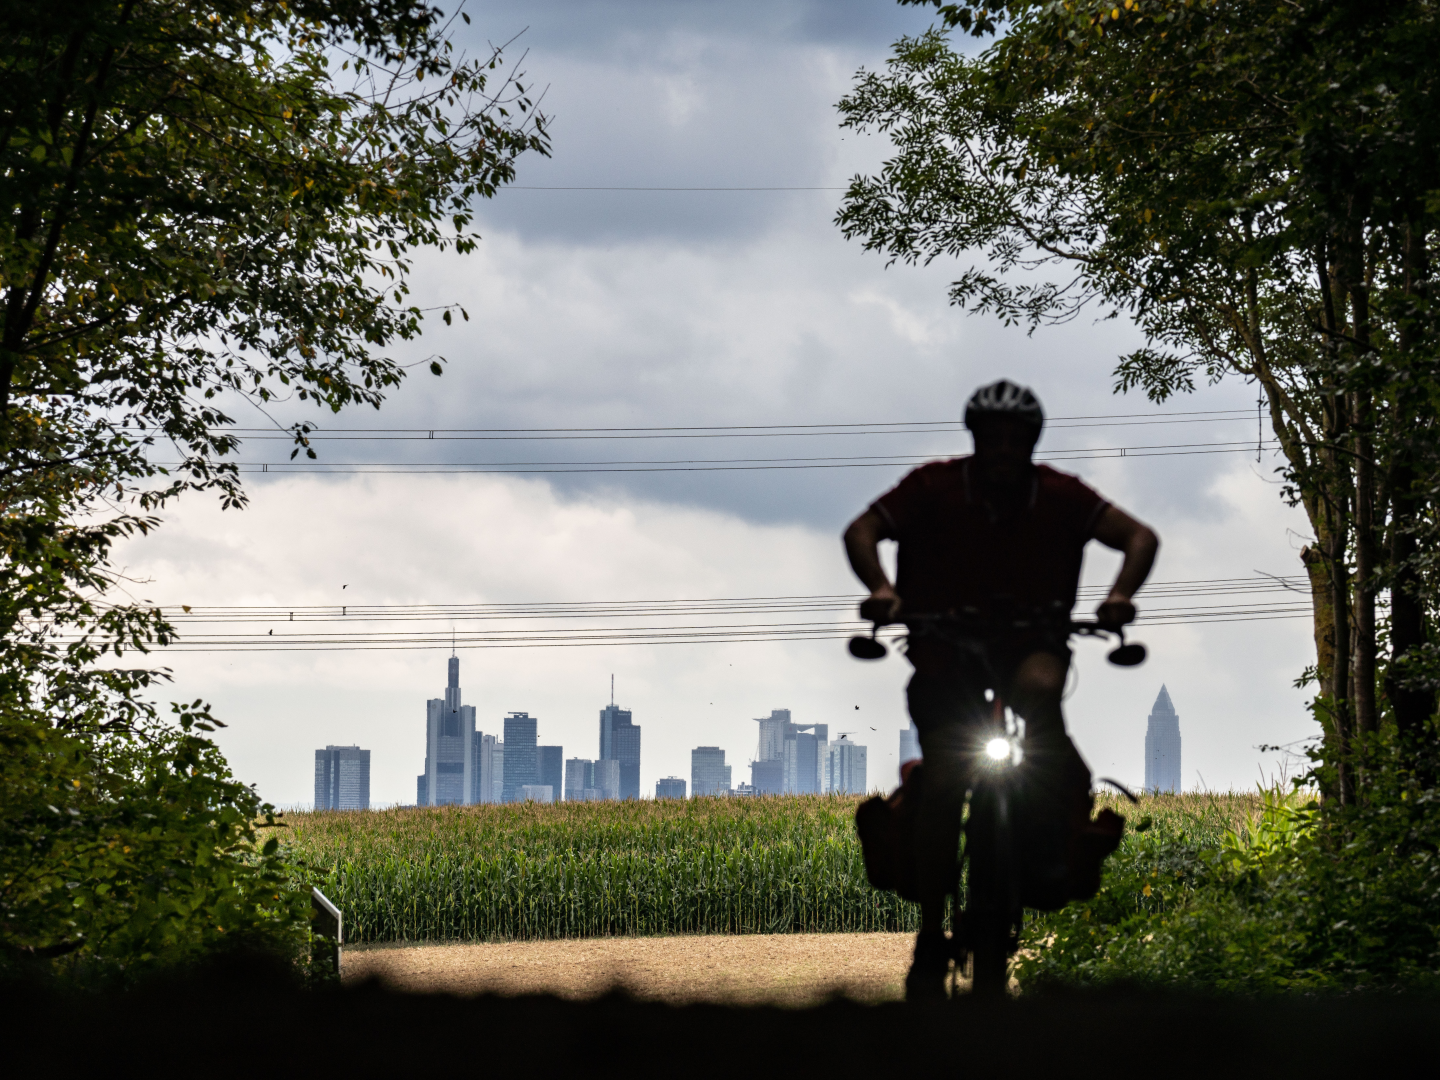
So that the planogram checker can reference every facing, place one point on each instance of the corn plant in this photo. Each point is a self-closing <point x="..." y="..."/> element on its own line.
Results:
<point x="522" y="871"/>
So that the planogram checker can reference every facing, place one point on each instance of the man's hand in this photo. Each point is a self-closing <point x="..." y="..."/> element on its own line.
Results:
<point x="862" y="540"/>
<point x="1116" y="611"/>
<point x="881" y="606"/>
<point x="1117" y="529"/>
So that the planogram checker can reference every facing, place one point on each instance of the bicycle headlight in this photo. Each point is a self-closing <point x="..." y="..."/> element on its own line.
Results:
<point x="997" y="749"/>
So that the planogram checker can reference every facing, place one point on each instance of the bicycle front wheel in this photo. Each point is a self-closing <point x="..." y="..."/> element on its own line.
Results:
<point x="992" y="896"/>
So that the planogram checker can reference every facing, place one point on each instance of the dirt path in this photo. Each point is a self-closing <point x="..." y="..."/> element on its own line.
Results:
<point x="791" y="969"/>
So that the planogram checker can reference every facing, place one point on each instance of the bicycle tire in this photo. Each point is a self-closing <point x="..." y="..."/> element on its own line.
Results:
<point x="992" y="892"/>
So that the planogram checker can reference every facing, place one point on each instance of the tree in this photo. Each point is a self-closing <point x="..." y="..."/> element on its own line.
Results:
<point x="205" y="202"/>
<point x="1254" y="186"/>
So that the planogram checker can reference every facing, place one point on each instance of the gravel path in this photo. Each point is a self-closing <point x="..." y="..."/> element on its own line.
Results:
<point x="790" y="969"/>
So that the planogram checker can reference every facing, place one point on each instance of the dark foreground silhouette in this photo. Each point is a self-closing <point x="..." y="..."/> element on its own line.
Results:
<point x="242" y="1019"/>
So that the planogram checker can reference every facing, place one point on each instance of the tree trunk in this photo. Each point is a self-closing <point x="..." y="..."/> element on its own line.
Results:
<point x="1354" y="268"/>
<point x="1413" y="707"/>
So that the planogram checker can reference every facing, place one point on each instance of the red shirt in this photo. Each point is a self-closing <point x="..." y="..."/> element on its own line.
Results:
<point x="957" y="552"/>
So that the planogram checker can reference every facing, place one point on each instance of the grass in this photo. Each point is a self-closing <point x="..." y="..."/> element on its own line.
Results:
<point x="703" y="866"/>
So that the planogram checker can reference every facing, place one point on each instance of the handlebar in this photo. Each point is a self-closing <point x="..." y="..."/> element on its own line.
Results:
<point x="1123" y="655"/>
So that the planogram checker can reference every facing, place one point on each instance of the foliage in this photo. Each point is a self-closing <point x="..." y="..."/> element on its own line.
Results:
<point x="1306" y="900"/>
<point x="766" y="865"/>
<point x="206" y="204"/>
<point x="125" y="855"/>
<point x="1255" y="186"/>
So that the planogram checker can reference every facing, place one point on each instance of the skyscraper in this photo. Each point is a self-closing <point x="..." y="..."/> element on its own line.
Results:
<point x="551" y="767"/>
<point x="1162" y="746"/>
<point x="845" y="767"/>
<point x="342" y="778"/>
<point x="773" y="731"/>
<point x="607" y="779"/>
<point x="522" y="764"/>
<point x="791" y="757"/>
<point x="670" y="787"/>
<point x="768" y="777"/>
<point x="909" y="743"/>
<point x="804" y="757"/>
<point x="489" y="769"/>
<point x="709" y="775"/>
<point x="620" y="741"/>
<point x="449" y="758"/>
<point x="580" y="780"/>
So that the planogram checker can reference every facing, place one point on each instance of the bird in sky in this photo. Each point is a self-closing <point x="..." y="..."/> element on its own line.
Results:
<point x="872" y="729"/>
<point x="272" y="633"/>
<point x="344" y="587"/>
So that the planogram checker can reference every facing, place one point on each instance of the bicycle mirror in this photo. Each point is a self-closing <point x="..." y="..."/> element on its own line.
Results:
<point x="1128" y="655"/>
<point x="866" y="648"/>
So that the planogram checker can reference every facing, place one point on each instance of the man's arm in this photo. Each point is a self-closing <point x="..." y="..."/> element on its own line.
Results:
<point x="1117" y="529"/>
<point x="862" y="546"/>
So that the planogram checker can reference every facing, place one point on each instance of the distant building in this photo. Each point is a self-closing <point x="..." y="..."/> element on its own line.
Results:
<point x="671" y="787"/>
<point x="449" y="757"/>
<point x="790" y="758"/>
<point x="709" y="775"/>
<point x="489" y="769"/>
<point x="767" y="777"/>
<point x="535" y="793"/>
<point x="774" y="729"/>
<point x="804" y="758"/>
<point x="342" y="778"/>
<point x="1162" y="746"/>
<point x="745" y="791"/>
<point x="522" y="765"/>
<point x="909" y="744"/>
<point x="551" y="764"/>
<point x="580" y="780"/>
<point x="620" y="741"/>
<point x="845" y="767"/>
<point x="607" y="780"/>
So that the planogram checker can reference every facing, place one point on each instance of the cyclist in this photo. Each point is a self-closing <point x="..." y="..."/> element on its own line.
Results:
<point x="999" y="538"/>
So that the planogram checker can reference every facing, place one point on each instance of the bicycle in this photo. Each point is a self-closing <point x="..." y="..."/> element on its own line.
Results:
<point x="987" y="931"/>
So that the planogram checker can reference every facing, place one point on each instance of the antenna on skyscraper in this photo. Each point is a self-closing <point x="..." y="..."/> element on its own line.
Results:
<point x="452" y="641"/>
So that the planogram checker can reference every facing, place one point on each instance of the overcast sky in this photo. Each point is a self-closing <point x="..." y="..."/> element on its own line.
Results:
<point x="650" y="309"/>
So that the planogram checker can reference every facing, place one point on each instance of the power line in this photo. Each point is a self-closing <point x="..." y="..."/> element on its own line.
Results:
<point x="1162" y="604"/>
<point x="634" y="635"/>
<point x="859" y="461"/>
<point x="707" y="431"/>
<point x="595" y="609"/>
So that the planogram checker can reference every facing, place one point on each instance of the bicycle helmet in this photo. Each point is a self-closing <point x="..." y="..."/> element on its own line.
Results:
<point x="1004" y="398"/>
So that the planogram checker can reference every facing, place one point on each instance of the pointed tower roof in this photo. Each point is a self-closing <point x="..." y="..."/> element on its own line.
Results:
<point x="1162" y="703"/>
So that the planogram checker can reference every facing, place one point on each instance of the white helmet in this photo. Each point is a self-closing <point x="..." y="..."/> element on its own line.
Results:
<point x="1004" y="398"/>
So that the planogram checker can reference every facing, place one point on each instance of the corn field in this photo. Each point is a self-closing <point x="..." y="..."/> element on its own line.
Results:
<point x="703" y="866"/>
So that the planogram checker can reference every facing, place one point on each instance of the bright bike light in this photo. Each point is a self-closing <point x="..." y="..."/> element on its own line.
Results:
<point x="998" y="749"/>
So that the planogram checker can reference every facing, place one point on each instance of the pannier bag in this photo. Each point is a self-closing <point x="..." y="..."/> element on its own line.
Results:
<point x="1062" y="846"/>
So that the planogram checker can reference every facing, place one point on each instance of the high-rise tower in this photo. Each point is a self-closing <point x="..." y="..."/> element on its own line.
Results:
<point x="522" y="757"/>
<point x="620" y="741"/>
<point x="1162" y="746"/>
<point x="449" y="735"/>
<point x="342" y="778"/>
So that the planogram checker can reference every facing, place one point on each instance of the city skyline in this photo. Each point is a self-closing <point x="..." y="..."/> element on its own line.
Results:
<point x="609" y="308"/>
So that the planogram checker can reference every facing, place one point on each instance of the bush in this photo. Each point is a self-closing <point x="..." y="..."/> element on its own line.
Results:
<point x="1303" y="898"/>
<point x="129" y="852"/>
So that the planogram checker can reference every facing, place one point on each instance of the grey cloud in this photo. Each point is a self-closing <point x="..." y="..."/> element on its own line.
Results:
<point x="708" y="95"/>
